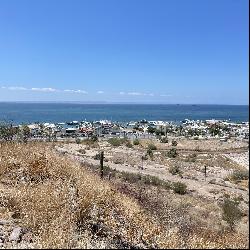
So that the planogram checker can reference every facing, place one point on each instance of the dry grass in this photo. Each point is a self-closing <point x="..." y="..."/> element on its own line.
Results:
<point x="66" y="206"/>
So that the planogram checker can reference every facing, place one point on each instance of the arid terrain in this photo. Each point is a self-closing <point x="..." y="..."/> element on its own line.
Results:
<point x="192" y="157"/>
<point x="153" y="195"/>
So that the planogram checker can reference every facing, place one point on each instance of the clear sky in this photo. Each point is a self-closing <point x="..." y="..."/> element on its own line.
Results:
<point x="146" y="51"/>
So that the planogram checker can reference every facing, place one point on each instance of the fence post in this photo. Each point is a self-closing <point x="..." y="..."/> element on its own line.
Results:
<point x="101" y="163"/>
<point x="205" y="172"/>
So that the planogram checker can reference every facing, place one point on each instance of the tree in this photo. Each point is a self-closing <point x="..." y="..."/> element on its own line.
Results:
<point x="7" y="131"/>
<point x="25" y="133"/>
<point x="215" y="130"/>
<point x="151" y="130"/>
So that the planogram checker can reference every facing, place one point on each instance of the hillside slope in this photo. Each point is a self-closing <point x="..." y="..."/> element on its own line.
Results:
<point x="47" y="200"/>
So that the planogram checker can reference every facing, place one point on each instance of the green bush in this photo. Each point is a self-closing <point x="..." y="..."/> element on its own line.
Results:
<point x="174" y="143"/>
<point x="164" y="139"/>
<point x="239" y="175"/>
<point x="174" y="170"/>
<point x="130" y="177"/>
<point x="150" y="153"/>
<point x="129" y="144"/>
<point x="116" y="142"/>
<point x="231" y="212"/>
<point x="172" y="153"/>
<point x="136" y="142"/>
<point x="179" y="187"/>
<point x="152" y="146"/>
<point x="144" y="179"/>
<point x="155" y="181"/>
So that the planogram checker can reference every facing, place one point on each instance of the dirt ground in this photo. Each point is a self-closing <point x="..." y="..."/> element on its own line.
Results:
<point x="219" y="166"/>
<point x="203" y="145"/>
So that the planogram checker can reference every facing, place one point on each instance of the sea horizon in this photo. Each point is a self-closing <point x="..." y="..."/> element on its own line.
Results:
<point x="30" y="112"/>
<point x="121" y="103"/>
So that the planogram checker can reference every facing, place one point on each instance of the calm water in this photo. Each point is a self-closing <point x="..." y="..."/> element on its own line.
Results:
<point x="47" y="112"/>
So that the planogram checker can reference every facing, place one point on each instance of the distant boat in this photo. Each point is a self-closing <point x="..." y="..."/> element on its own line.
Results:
<point x="73" y="123"/>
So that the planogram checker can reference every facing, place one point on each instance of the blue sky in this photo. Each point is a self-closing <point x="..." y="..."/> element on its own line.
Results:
<point x="145" y="51"/>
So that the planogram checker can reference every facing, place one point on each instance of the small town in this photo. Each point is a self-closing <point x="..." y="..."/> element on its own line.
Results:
<point x="192" y="129"/>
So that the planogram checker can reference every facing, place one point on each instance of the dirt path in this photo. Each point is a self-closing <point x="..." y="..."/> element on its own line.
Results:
<point x="224" y="151"/>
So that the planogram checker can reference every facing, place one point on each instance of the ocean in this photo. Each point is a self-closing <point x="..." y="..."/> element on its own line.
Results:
<point x="24" y="113"/>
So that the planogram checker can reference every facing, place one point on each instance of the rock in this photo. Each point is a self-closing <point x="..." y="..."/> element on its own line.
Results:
<point x="16" y="234"/>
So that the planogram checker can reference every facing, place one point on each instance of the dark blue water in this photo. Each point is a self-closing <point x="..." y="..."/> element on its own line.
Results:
<point x="46" y="112"/>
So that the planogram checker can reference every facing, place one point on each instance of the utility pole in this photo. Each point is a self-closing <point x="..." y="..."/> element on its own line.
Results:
<point x="101" y="164"/>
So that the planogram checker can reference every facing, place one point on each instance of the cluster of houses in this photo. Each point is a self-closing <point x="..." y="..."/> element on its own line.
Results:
<point x="217" y="128"/>
<point x="71" y="129"/>
<point x="188" y="128"/>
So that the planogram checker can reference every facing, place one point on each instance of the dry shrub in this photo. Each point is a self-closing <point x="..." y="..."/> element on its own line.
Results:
<point x="51" y="211"/>
<point x="45" y="209"/>
<point x="179" y="187"/>
<point x="69" y="207"/>
<point x="239" y="175"/>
